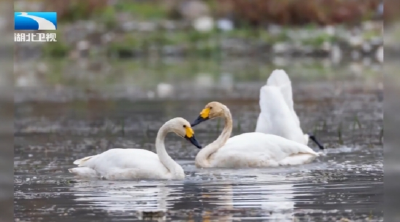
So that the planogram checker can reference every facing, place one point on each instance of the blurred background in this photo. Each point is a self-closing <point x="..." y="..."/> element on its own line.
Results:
<point x="106" y="43"/>
<point x="120" y="68"/>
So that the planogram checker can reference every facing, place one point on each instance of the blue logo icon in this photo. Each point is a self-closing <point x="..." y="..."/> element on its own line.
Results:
<point x="35" y="20"/>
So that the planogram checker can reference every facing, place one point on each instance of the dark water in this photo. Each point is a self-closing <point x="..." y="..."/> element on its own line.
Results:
<point x="52" y="130"/>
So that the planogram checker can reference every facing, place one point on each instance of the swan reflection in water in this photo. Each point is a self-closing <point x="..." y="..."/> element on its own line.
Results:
<point x="209" y="195"/>
<point x="261" y="197"/>
<point x="142" y="199"/>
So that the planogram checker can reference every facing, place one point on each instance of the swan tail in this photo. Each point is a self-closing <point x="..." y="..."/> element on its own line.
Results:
<point x="80" y="162"/>
<point x="84" y="172"/>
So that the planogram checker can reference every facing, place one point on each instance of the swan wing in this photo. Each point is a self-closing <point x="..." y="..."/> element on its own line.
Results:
<point x="280" y="79"/>
<point x="276" y="117"/>
<point x="277" y="146"/>
<point x="124" y="161"/>
<point x="260" y="150"/>
<point x="123" y="158"/>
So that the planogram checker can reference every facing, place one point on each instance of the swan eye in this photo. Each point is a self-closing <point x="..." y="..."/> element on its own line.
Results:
<point x="210" y="107"/>
<point x="184" y="126"/>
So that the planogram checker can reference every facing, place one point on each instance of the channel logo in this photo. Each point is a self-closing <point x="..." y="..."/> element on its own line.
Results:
<point x="35" y="20"/>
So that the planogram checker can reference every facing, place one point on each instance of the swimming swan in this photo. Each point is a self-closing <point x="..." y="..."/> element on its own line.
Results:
<point x="277" y="114"/>
<point x="125" y="164"/>
<point x="248" y="149"/>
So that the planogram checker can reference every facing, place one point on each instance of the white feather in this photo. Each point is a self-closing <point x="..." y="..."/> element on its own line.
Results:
<point x="251" y="149"/>
<point x="84" y="172"/>
<point x="277" y="115"/>
<point x="126" y="164"/>
<point x="261" y="150"/>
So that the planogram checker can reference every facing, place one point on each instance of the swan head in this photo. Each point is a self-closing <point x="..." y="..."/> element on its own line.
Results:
<point x="210" y="111"/>
<point x="182" y="128"/>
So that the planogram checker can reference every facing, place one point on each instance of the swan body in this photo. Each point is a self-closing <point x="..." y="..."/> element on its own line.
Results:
<point x="127" y="164"/>
<point x="277" y="115"/>
<point x="260" y="150"/>
<point x="253" y="149"/>
<point x="123" y="164"/>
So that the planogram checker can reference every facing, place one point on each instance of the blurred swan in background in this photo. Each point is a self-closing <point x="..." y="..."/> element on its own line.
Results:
<point x="248" y="149"/>
<point x="277" y="115"/>
<point x="122" y="164"/>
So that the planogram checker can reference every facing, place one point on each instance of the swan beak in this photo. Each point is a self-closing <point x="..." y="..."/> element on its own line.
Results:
<point x="193" y="141"/>
<point x="312" y="137"/>
<point x="199" y="120"/>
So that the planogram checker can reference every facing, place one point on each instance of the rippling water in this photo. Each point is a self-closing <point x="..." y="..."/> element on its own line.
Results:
<point x="345" y="112"/>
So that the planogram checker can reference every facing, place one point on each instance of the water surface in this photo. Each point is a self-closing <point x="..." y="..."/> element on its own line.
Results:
<point x="58" y="121"/>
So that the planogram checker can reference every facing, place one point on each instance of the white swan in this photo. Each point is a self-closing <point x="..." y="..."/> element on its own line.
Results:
<point x="277" y="115"/>
<point x="248" y="149"/>
<point x="125" y="164"/>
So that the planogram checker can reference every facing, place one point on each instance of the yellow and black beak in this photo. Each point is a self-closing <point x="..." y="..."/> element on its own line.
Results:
<point x="190" y="136"/>
<point x="204" y="115"/>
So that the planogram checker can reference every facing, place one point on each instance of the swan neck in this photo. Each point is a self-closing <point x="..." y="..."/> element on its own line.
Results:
<point x="226" y="132"/>
<point x="165" y="159"/>
<point x="203" y="158"/>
